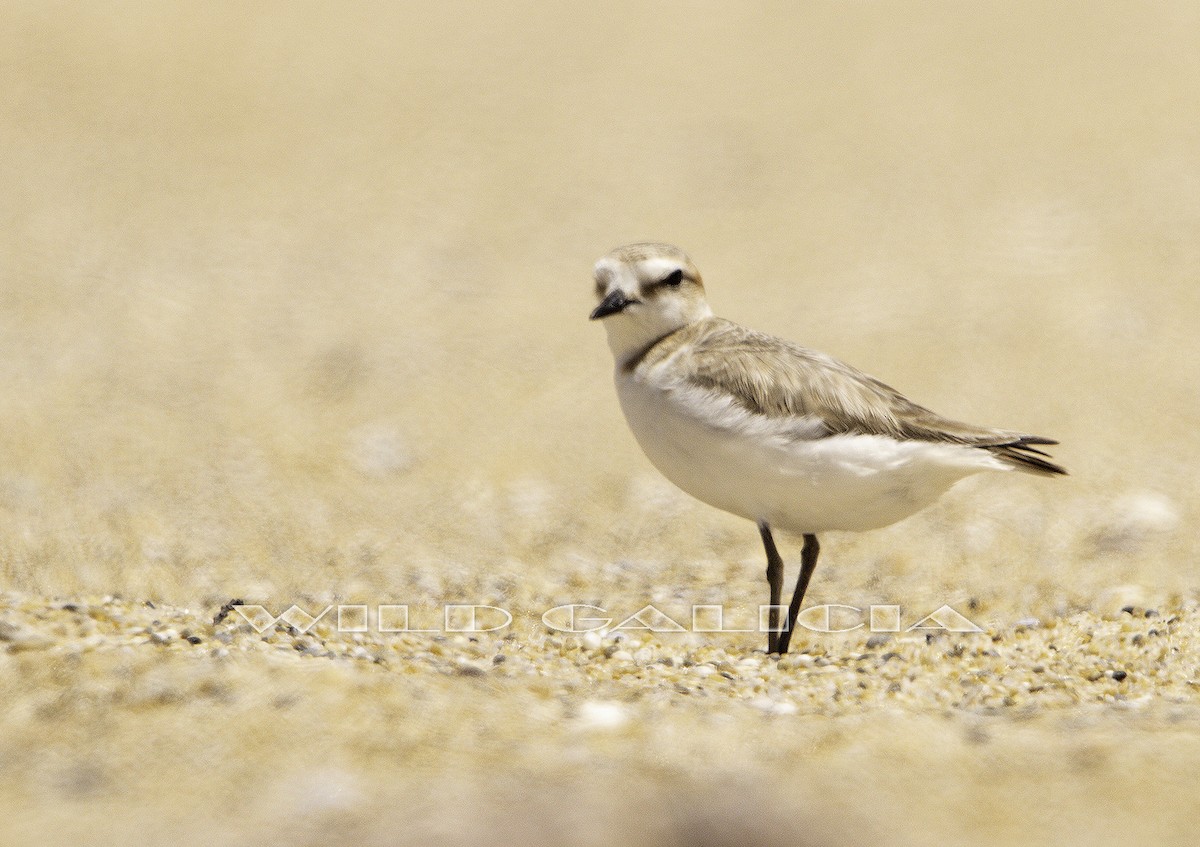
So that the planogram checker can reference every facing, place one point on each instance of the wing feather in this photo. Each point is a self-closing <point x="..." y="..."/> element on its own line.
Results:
<point x="776" y="378"/>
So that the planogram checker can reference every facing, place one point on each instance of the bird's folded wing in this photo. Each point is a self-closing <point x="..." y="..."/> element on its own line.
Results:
<point x="775" y="378"/>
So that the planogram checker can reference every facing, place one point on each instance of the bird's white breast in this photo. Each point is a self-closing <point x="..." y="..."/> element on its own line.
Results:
<point x="787" y="471"/>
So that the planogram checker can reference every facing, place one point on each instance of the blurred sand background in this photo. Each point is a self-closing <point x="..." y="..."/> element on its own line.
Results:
<point x="293" y="306"/>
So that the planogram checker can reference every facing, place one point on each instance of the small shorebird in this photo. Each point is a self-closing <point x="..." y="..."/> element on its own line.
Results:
<point x="771" y="431"/>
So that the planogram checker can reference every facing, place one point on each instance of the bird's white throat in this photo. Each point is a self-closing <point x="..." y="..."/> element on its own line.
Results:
<point x="636" y="328"/>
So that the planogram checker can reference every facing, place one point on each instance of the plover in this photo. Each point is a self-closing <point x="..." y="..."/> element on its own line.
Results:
<point x="787" y="437"/>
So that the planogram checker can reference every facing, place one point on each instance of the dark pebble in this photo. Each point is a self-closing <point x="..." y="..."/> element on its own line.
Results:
<point x="1119" y="676"/>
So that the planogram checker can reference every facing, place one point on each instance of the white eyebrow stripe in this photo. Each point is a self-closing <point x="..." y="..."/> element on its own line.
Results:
<point x="657" y="268"/>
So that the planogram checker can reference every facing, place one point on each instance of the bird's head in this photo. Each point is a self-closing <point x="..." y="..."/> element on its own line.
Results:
<point x="646" y="291"/>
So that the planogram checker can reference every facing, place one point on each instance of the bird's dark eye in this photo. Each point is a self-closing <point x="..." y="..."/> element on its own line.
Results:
<point x="673" y="278"/>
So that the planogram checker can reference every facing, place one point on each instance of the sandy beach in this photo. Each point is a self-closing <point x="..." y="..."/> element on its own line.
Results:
<point x="293" y="311"/>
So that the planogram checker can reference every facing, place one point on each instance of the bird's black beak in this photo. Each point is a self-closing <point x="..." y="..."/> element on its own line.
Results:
<point x="610" y="305"/>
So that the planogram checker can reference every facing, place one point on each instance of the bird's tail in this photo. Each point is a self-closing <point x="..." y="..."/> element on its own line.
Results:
<point x="1022" y="455"/>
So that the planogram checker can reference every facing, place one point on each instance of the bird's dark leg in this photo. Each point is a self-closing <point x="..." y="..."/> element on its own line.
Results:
<point x="808" y="564"/>
<point x="775" y="580"/>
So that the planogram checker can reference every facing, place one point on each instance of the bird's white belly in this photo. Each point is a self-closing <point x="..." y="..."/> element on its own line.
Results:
<point x="759" y="469"/>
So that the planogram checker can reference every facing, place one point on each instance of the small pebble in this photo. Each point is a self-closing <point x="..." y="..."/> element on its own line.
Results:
<point x="773" y="707"/>
<point x="465" y="668"/>
<point x="20" y="639"/>
<point x="603" y="714"/>
<point x="796" y="660"/>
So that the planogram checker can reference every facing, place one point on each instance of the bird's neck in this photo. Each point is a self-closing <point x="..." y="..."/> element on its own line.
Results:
<point x="630" y="340"/>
